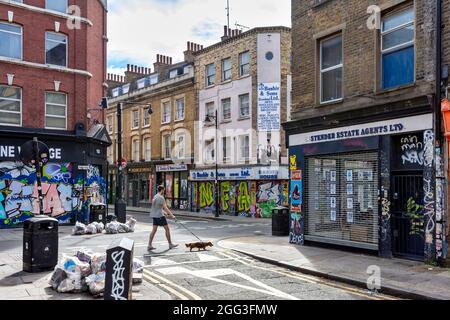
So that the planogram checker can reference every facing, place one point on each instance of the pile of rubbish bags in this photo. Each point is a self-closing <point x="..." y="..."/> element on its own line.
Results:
<point x="113" y="227"/>
<point x="84" y="272"/>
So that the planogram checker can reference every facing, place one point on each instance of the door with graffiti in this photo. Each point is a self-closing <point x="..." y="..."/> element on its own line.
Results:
<point x="408" y="197"/>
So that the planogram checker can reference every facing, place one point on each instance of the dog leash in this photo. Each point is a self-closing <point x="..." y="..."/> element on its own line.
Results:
<point x="176" y="220"/>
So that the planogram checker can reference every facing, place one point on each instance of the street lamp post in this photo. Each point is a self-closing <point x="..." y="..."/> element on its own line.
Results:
<point x="120" y="205"/>
<point x="216" y="176"/>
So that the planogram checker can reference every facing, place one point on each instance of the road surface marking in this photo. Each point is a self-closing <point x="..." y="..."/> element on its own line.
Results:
<point x="213" y="274"/>
<point x="309" y="279"/>
<point x="164" y="286"/>
<point x="204" y="257"/>
<point x="173" y="285"/>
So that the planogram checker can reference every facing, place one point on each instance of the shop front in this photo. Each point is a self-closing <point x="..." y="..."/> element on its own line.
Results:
<point x="247" y="191"/>
<point x="73" y="179"/>
<point x="174" y="178"/>
<point x="140" y="185"/>
<point x="367" y="186"/>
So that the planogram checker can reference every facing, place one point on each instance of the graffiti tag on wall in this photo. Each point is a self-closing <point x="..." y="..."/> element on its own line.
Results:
<point x="62" y="193"/>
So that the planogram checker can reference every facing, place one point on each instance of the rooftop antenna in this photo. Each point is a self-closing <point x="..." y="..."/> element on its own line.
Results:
<point x="228" y="13"/>
<point x="237" y="25"/>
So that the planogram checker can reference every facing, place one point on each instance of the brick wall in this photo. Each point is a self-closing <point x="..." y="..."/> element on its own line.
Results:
<point x="232" y="48"/>
<point x="360" y="46"/>
<point x="156" y="129"/>
<point x="86" y="52"/>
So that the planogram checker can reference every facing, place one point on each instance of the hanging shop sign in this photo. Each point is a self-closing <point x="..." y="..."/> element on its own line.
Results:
<point x="380" y="128"/>
<point x="172" y="168"/>
<point x="269" y="107"/>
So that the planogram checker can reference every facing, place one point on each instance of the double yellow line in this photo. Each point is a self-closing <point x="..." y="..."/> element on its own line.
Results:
<point x="171" y="287"/>
<point x="313" y="280"/>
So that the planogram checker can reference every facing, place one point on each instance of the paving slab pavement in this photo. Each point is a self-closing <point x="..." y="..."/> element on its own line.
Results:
<point x="409" y="279"/>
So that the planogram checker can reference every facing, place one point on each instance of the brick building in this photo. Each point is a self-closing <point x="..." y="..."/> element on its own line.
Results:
<point x="157" y="147"/>
<point x="244" y="82"/>
<point x="52" y="79"/>
<point x="362" y="139"/>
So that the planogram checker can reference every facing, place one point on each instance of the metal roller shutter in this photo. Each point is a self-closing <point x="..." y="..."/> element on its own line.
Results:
<point x="342" y="199"/>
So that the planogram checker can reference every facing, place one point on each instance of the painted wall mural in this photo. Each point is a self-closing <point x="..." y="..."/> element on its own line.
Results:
<point x="253" y="199"/>
<point x="62" y="192"/>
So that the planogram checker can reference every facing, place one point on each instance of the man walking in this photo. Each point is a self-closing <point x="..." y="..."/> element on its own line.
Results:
<point x="159" y="213"/>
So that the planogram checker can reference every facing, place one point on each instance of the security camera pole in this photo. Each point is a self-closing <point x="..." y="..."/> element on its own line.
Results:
<point x="37" y="165"/>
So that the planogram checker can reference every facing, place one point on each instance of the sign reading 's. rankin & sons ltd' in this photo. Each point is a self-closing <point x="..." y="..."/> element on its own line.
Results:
<point x="387" y="127"/>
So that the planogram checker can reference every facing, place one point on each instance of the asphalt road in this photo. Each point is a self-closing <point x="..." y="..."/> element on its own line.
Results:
<point x="215" y="274"/>
<point x="226" y="275"/>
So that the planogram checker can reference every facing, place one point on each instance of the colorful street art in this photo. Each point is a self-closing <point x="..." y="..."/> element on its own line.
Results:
<point x="63" y="194"/>
<point x="206" y="193"/>
<point x="254" y="199"/>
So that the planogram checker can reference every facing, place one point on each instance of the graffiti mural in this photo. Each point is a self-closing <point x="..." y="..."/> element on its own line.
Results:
<point x="206" y="193"/>
<point x="253" y="199"/>
<point x="271" y="195"/>
<point x="429" y="202"/>
<point x="244" y="200"/>
<point x="62" y="193"/>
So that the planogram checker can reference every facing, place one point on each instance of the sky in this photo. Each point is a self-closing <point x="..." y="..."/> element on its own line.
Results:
<point x="138" y="30"/>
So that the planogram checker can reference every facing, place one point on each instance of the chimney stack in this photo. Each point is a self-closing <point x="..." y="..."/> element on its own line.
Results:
<point x="192" y="48"/>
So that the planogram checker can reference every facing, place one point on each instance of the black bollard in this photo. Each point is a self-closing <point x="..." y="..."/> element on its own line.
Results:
<point x="119" y="270"/>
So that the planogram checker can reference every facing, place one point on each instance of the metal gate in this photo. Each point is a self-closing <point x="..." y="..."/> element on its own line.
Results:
<point x="341" y="201"/>
<point x="408" y="215"/>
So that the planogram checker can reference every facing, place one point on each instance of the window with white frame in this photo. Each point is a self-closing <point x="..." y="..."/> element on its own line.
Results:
<point x="135" y="151"/>
<point x="146" y="118"/>
<point x="210" y="151"/>
<point x="210" y="74"/>
<point x="55" y="110"/>
<point x="244" y="146"/>
<point x="210" y="111"/>
<point x="331" y="65"/>
<point x="167" y="154"/>
<point x="165" y="114"/>
<point x="244" y="106"/>
<point x="226" y="149"/>
<point x="10" y="106"/>
<point x="147" y="81"/>
<point x="11" y="39"/>
<point x="397" y="48"/>
<point x="226" y="69"/>
<point x="173" y="73"/>
<point x="226" y="109"/>
<point x="179" y="109"/>
<point x="181" y="143"/>
<point x="56" y="49"/>
<point x="110" y="124"/>
<point x="56" y="5"/>
<point x="244" y="63"/>
<point x="135" y="119"/>
<point x="147" y="149"/>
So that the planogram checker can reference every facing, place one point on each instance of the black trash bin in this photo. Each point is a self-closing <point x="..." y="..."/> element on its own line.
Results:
<point x="97" y="213"/>
<point x="40" y="244"/>
<point x="280" y="222"/>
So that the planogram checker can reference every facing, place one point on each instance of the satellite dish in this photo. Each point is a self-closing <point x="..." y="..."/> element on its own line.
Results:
<point x="28" y="155"/>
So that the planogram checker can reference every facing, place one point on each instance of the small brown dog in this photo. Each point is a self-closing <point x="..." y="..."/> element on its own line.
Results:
<point x="199" y="245"/>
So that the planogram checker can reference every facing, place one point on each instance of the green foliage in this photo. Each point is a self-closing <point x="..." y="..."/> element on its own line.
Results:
<point x="414" y="211"/>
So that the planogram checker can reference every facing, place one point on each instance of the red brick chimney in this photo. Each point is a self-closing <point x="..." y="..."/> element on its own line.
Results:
<point x="134" y="72"/>
<point x="162" y="63"/>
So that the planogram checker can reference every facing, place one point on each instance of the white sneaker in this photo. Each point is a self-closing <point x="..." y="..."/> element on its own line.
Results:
<point x="173" y="246"/>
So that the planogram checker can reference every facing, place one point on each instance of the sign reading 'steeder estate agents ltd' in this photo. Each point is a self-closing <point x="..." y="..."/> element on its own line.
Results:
<point x="269" y="107"/>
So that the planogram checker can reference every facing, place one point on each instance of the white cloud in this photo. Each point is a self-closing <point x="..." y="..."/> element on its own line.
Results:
<point x="140" y="29"/>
